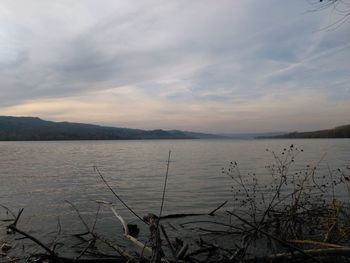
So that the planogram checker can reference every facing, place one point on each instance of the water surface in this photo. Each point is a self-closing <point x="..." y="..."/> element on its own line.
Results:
<point x="40" y="176"/>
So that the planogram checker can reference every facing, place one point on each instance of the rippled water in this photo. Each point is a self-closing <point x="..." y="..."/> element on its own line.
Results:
<point x="40" y="176"/>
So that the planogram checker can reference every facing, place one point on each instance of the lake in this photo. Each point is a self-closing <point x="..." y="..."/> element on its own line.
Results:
<point x="40" y="176"/>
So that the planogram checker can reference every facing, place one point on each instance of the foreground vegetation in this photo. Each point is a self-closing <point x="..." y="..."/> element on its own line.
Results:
<point x="292" y="213"/>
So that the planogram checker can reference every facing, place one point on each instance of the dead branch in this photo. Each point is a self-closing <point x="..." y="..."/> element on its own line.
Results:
<point x="315" y="243"/>
<point x="283" y="242"/>
<point x="216" y="209"/>
<point x="115" y="194"/>
<point x="212" y="222"/>
<point x="35" y="240"/>
<point x="8" y="211"/>
<point x="194" y="214"/>
<point x="180" y="215"/>
<point x="164" y="187"/>
<point x="18" y="216"/>
<point x="95" y="236"/>
<point x="314" y="253"/>
<point x="91" y="242"/>
<point x="169" y="243"/>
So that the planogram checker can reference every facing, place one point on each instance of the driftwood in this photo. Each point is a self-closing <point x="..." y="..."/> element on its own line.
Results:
<point x="142" y="247"/>
<point x="155" y="251"/>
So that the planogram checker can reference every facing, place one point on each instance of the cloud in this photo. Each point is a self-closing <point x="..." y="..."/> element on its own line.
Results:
<point x="183" y="64"/>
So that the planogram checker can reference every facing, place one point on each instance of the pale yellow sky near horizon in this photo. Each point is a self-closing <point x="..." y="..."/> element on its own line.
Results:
<point x="123" y="104"/>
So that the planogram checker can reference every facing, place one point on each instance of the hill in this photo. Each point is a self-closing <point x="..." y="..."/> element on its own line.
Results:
<point x="338" y="132"/>
<point x="198" y="135"/>
<point x="250" y="136"/>
<point x="36" y="129"/>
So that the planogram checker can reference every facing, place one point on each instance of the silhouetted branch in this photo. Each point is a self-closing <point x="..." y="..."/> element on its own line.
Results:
<point x="216" y="209"/>
<point x="35" y="240"/>
<point x="115" y="194"/>
<point x="285" y="243"/>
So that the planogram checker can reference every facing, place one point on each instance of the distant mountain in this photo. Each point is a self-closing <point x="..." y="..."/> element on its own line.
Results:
<point x="36" y="129"/>
<point x="250" y="136"/>
<point x="338" y="132"/>
<point x="198" y="135"/>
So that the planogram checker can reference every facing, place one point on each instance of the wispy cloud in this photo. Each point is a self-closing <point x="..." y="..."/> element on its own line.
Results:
<point x="196" y="65"/>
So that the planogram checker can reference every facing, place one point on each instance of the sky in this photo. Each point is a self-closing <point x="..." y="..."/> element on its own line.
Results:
<point x="202" y="65"/>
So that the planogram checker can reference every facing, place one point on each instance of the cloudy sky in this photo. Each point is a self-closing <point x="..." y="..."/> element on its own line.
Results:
<point x="201" y="65"/>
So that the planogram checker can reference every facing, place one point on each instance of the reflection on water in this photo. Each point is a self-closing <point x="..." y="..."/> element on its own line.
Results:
<point x="39" y="176"/>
